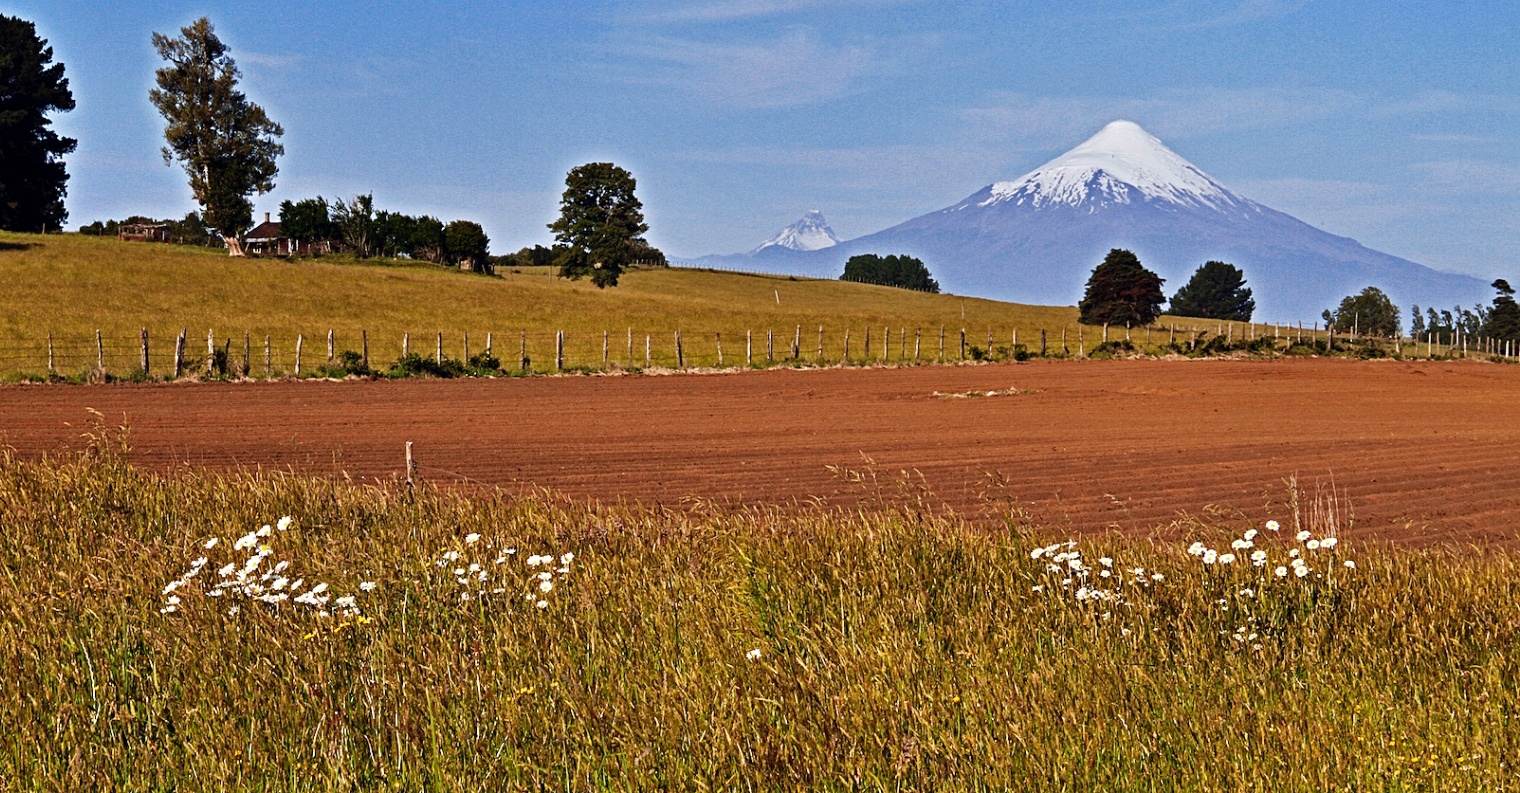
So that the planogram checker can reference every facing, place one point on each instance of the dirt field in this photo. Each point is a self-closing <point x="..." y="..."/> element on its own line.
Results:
<point x="1426" y="451"/>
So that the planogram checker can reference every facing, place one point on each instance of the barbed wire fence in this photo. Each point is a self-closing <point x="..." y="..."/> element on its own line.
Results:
<point x="183" y="354"/>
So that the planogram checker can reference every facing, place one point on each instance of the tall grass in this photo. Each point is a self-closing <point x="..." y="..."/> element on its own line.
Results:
<point x="895" y="647"/>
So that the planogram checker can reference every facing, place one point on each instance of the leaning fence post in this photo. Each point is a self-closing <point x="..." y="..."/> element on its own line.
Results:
<point x="364" y="347"/>
<point x="770" y="345"/>
<point x="846" y="358"/>
<point x="179" y="352"/>
<point x="918" y="340"/>
<point x="720" y="349"/>
<point x="145" y="351"/>
<point x="100" y="354"/>
<point x="797" y="344"/>
<point x="680" y="353"/>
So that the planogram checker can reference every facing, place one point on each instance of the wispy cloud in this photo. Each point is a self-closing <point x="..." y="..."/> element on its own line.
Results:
<point x="731" y="10"/>
<point x="1248" y="12"/>
<point x="1045" y="121"/>
<point x="1192" y="15"/>
<point x="269" y="60"/>
<point x="1472" y="176"/>
<point x="797" y="68"/>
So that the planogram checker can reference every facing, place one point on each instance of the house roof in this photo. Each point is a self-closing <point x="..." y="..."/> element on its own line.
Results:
<point x="268" y="230"/>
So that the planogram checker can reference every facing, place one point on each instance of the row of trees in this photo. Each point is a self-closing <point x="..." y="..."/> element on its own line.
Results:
<point x="189" y="230"/>
<point x="368" y="232"/>
<point x="903" y="272"/>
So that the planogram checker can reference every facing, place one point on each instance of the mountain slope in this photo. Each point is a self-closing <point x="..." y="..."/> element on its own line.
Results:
<point x="811" y="233"/>
<point x="1037" y="238"/>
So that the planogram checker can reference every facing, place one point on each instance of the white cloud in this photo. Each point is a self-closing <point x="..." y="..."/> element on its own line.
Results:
<point x="1471" y="176"/>
<point x="729" y="10"/>
<point x="796" y="69"/>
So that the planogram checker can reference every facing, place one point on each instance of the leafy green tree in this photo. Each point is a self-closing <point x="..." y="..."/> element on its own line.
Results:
<point x="1121" y="291"/>
<point x="904" y="272"/>
<point x="1416" y="322"/>
<point x="355" y="220"/>
<point x="467" y="242"/>
<point x="33" y="179"/>
<point x="1370" y="313"/>
<point x="393" y="233"/>
<point x="226" y="144"/>
<point x="1217" y="290"/>
<point x="428" y="240"/>
<point x="307" y="220"/>
<point x="1503" y="320"/>
<point x="601" y="223"/>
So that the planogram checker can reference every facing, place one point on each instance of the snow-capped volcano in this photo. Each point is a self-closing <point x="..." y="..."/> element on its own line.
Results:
<point x="1036" y="239"/>
<point x="1121" y="164"/>
<point x="811" y="233"/>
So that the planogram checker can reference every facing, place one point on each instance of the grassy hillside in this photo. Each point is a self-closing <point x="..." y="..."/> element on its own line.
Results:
<point x="71" y="286"/>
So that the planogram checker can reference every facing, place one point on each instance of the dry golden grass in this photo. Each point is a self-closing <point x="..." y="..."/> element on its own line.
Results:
<point x="898" y="648"/>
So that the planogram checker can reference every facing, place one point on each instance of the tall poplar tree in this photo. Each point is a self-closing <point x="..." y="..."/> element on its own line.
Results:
<point x="226" y="144"/>
<point x="32" y="175"/>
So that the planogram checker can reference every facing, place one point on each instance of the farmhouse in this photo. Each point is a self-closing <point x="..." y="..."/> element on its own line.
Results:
<point x="265" y="239"/>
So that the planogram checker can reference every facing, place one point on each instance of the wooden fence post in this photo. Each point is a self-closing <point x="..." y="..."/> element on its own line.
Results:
<point x="331" y="353"/>
<point x="1042" y="342"/>
<point x="749" y="355"/>
<point x="51" y="370"/>
<point x="465" y="351"/>
<point x="941" y="343"/>
<point x="720" y="349"/>
<point x="247" y="353"/>
<point x="100" y="355"/>
<point x="867" y="343"/>
<point x="680" y="353"/>
<point x="522" y="353"/>
<point x="406" y="344"/>
<point x="963" y="344"/>
<point x="210" y="352"/>
<point x="630" y="347"/>
<point x="797" y="344"/>
<point x="411" y="466"/>
<point x="559" y="351"/>
<point x="820" y="344"/>
<point x="605" y="337"/>
<point x="1105" y="333"/>
<point x="489" y="340"/>
<point x="1081" y="342"/>
<point x="145" y="351"/>
<point x="438" y="354"/>
<point x="918" y="340"/>
<point x="364" y="348"/>
<point x="300" y="340"/>
<point x="770" y="346"/>
<point x="902" y="342"/>
<point x="179" y="352"/>
<point x="268" y="358"/>
<point x="846" y="358"/>
<point x="646" y="350"/>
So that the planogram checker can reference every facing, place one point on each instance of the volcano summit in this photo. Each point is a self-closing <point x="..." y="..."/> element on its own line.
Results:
<point x="1037" y="238"/>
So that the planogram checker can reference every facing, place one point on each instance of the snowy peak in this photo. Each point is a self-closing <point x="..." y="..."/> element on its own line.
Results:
<point x="811" y="233"/>
<point x="1122" y="164"/>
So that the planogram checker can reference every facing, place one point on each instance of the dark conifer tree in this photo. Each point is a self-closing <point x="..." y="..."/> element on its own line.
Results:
<point x="1121" y="291"/>
<point x="32" y="175"/>
<point x="1217" y="290"/>
<point x="1503" y="320"/>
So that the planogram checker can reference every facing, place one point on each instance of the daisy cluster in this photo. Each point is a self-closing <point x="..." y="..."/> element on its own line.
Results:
<point x="1104" y="584"/>
<point x="483" y="570"/>
<point x="1255" y="564"/>
<point x="253" y="574"/>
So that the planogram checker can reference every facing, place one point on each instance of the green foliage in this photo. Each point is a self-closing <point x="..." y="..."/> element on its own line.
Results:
<point x="1416" y="322"/>
<point x="601" y="223"/>
<point x="467" y="243"/>
<point x="1217" y="290"/>
<point x="189" y="230"/>
<point x="904" y="272"/>
<point x="33" y="177"/>
<point x="1121" y="291"/>
<point x="226" y="144"/>
<point x="428" y="241"/>
<point x="1503" y="320"/>
<point x="1369" y="313"/>
<point x="308" y="220"/>
<point x="355" y="220"/>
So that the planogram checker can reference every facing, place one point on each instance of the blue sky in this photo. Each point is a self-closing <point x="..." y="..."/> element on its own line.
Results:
<point x="1391" y="122"/>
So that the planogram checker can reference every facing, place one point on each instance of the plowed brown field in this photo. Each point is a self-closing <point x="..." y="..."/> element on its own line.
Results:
<point x="1425" y="451"/>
